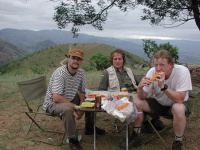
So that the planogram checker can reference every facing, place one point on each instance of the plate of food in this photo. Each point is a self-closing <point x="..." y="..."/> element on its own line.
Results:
<point x="87" y="104"/>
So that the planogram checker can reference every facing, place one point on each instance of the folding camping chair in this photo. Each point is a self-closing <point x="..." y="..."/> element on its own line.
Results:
<point x="117" y="126"/>
<point x="158" y="133"/>
<point x="168" y="127"/>
<point x="33" y="90"/>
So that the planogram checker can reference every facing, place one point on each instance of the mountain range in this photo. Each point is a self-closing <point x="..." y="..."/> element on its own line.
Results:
<point x="26" y="42"/>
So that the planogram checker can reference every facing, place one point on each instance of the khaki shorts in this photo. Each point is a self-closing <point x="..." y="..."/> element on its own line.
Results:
<point x="159" y="109"/>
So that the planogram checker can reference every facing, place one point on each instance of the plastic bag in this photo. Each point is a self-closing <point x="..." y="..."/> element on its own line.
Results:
<point x="128" y="113"/>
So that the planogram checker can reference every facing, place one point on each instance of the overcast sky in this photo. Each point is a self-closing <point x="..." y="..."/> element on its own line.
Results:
<point x="37" y="15"/>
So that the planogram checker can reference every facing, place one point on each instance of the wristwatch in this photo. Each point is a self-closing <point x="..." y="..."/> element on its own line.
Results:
<point x="165" y="87"/>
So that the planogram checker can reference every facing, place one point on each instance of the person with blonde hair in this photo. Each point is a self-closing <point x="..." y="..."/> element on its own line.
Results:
<point x="171" y="92"/>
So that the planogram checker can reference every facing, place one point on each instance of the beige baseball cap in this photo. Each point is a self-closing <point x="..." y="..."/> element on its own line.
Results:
<point x="76" y="52"/>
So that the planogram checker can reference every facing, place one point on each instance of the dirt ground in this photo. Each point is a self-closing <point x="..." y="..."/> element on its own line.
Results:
<point x="14" y="124"/>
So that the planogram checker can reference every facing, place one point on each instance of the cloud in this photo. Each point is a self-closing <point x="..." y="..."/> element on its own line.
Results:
<point x="37" y="15"/>
<point x="22" y="14"/>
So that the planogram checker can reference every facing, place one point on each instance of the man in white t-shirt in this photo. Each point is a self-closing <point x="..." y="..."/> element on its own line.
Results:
<point x="171" y="92"/>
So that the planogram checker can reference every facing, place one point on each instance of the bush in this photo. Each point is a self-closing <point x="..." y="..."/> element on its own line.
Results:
<point x="38" y="70"/>
<point x="100" y="61"/>
<point x="89" y="68"/>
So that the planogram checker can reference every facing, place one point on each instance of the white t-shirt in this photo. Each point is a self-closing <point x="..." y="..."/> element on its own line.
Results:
<point x="179" y="80"/>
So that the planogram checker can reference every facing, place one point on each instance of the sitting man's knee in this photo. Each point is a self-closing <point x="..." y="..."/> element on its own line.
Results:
<point x="67" y="108"/>
<point x="178" y="109"/>
<point x="139" y="103"/>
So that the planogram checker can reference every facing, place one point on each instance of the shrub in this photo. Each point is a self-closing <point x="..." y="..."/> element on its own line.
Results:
<point x="38" y="70"/>
<point x="89" y="68"/>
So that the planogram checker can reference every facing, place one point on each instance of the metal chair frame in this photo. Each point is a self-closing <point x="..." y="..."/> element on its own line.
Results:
<point x="158" y="133"/>
<point x="117" y="127"/>
<point x="167" y="128"/>
<point x="32" y="90"/>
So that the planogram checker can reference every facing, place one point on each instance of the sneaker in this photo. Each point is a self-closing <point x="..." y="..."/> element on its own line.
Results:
<point x="74" y="144"/>
<point x="177" y="145"/>
<point x="91" y="131"/>
<point x="146" y="127"/>
<point x="157" y="124"/>
<point x="134" y="141"/>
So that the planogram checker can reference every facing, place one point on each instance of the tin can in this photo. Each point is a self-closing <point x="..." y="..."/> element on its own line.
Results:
<point x="98" y="101"/>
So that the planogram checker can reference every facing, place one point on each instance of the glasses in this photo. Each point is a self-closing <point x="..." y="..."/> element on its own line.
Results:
<point x="76" y="58"/>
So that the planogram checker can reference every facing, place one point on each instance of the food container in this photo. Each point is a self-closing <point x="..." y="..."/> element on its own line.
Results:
<point x="98" y="101"/>
<point x="123" y="93"/>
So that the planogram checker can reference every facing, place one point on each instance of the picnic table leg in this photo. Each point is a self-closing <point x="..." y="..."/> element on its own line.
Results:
<point x="94" y="130"/>
<point x="127" y="136"/>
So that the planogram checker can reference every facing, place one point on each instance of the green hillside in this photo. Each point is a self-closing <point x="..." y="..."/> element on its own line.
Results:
<point x="10" y="52"/>
<point x="50" y="58"/>
<point x="39" y="46"/>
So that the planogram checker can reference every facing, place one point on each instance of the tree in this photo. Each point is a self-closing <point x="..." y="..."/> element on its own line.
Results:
<point x="172" y="49"/>
<point x="177" y="12"/>
<point x="150" y="47"/>
<point x="167" y="13"/>
<point x="100" y="61"/>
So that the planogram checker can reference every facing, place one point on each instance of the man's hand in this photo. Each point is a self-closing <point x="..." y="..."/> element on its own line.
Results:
<point x="140" y="92"/>
<point x="80" y="114"/>
<point x="144" y="82"/>
<point x="161" y="78"/>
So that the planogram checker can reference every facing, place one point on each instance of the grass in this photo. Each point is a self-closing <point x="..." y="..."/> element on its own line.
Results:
<point x="93" y="80"/>
<point x="14" y="123"/>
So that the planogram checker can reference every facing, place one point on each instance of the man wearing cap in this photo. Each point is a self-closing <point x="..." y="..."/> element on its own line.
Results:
<point x="66" y="90"/>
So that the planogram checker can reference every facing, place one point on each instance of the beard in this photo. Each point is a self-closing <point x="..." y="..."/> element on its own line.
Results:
<point x="75" y="68"/>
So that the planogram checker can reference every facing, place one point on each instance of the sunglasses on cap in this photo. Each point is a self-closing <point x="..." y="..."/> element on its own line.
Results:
<point x="76" y="58"/>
